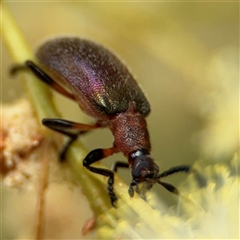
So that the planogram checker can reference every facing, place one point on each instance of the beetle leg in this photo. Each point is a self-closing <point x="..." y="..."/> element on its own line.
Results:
<point x="41" y="75"/>
<point x="130" y="189"/>
<point x="119" y="164"/>
<point x="63" y="152"/>
<point x="69" y="128"/>
<point x="95" y="156"/>
<point x="66" y="127"/>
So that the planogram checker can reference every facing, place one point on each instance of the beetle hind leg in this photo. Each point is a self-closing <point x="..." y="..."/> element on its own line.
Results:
<point x="41" y="75"/>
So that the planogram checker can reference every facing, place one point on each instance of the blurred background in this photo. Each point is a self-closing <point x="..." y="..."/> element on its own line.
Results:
<point x="185" y="56"/>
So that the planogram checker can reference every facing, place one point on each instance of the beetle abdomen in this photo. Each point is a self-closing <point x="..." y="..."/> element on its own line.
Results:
<point x="93" y="74"/>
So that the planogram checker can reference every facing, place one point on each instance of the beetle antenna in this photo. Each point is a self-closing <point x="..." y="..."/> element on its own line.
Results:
<point x="181" y="168"/>
<point x="169" y="187"/>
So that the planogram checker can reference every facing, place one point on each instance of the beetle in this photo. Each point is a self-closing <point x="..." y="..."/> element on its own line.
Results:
<point x="103" y="87"/>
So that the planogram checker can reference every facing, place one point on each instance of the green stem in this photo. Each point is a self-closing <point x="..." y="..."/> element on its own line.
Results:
<point x="41" y="99"/>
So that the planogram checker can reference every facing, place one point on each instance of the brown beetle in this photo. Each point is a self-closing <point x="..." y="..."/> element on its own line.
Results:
<point x="104" y="89"/>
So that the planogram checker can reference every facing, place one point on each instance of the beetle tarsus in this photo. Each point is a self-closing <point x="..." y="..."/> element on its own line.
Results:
<point x="130" y="189"/>
<point x="111" y="193"/>
<point x="16" y="68"/>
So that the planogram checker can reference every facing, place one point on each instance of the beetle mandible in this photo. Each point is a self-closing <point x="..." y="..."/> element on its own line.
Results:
<point x="104" y="88"/>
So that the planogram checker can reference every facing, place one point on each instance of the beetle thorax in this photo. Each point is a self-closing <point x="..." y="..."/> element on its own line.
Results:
<point x="130" y="131"/>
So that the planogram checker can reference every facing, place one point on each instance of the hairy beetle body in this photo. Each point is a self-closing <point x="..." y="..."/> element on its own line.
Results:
<point x="99" y="81"/>
<point x="104" y="89"/>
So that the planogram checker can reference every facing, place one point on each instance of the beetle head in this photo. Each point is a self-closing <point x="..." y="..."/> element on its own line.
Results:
<point x="144" y="172"/>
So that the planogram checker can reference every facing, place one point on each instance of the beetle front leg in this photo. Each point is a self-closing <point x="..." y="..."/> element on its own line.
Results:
<point x="119" y="164"/>
<point x="130" y="189"/>
<point x="95" y="156"/>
